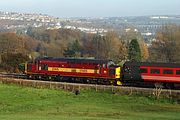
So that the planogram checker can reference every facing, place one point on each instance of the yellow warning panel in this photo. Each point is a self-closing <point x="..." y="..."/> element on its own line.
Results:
<point x="77" y="70"/>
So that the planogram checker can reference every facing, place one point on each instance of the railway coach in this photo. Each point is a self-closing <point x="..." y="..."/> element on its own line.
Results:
<point x="160" y="74"/>
<point x="74" y="70"/>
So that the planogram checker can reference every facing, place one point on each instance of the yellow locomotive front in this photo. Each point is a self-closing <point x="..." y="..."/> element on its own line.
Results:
<point x="118" y="75"/>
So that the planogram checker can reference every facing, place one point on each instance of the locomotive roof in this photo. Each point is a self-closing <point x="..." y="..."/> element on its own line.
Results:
<point x="76" y="60"/>
<point x="153" y="64"/>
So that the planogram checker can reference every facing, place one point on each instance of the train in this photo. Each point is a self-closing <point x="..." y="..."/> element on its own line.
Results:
<point x="104" y="72"/>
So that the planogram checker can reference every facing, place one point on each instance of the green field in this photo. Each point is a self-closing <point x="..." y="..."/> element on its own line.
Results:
<point x="22" y="103"/>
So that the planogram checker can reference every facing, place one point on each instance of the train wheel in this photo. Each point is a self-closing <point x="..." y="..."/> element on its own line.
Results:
<point x="29" y="77"/>
<point x="49" y="78"/>
<point x="111" y="82"/>
<point x="39" y="77"/>
<point x="88" y="81"/>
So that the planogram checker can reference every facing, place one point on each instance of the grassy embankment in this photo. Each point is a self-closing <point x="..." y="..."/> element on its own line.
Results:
<point x="22" y="103"/>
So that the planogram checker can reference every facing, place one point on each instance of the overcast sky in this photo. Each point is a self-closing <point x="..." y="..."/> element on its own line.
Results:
<point x="93" y="8"/>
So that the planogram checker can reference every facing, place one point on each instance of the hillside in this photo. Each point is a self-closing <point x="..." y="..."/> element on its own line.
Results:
<point x="19" y="103"/>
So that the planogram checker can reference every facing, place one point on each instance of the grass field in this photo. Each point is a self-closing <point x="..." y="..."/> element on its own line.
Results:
<point x="22" y="103"/>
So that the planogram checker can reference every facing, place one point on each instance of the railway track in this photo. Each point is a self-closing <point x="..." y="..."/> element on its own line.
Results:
<point x="20" y="79"/>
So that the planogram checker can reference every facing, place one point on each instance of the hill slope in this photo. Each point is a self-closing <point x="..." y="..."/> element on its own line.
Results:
<point x="19" y="103"/>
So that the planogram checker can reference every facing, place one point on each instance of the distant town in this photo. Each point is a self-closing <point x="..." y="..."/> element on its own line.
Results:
<point x="147" y="26"/>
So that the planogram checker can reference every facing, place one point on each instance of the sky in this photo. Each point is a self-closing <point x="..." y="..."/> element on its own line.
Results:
<point x="93" y="8"/>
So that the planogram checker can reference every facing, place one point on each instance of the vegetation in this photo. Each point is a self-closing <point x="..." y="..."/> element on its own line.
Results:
<point x="73" y="49"/>
<point x="134" y="51"/>
<point x="11" y="61"/>
<point x="20" y="103"/>
<point x="166" y="46"/>
<point x="41" y="42"/>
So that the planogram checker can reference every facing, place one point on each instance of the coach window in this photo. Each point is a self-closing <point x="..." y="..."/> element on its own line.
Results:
<point x="178" y="72"/>
<point x="167" y="71"/>
<point x="143" y="70"/>
<point x="155" y="71"/>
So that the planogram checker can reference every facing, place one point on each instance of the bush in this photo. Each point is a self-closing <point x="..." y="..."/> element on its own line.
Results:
<point x="11" y="61"/>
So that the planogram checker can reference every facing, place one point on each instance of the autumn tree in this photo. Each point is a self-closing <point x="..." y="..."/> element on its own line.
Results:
<point x="10" y="42"/>
<point x="11" y="61"/>
<point x="104" y="46"/>
<point x="122" y="53"/>
<point x="134" y="52"/>
<point x="55" y="41"/>
<point x="97" y="46"/>
<point x="114" y="47"/>
<point x="88" y="45"/>
<point x="166" y="46"/>
<point x="42" y="49"/>
<point x="144" y="50"/>
<point x="109" y="46"/>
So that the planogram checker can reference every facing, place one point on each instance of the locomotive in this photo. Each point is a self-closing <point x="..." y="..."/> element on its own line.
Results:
<point x="69" y="69"/>
<point x="104" y="72"/>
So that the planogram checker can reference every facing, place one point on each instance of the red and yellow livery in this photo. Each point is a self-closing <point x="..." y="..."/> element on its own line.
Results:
<point x="103" y="71"/>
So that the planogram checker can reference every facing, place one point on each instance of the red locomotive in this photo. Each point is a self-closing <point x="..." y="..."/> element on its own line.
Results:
<point x="86" y="70"/>
<point x="161" y="74"/>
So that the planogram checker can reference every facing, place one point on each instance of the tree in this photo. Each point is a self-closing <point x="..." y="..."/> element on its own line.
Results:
<point x="144" y="50"/>
<point x="88" y="45"/>
<point x="166" y="46"/>
<point x="115" y="48"/>
<point x="55" y="41"/>
<point x="134" y="52"/>
<point x="10" y="42"/>
<point x="122" y="53"/>
<point x="11" y="61"/>
<point x="42" y="49"/>
<point x="97" y="46"/>
<point x="73" y="49"/>
<point x="109" y="46"/>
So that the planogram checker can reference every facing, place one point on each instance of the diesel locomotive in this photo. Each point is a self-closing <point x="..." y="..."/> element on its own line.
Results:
<point x="69" y="69"/>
